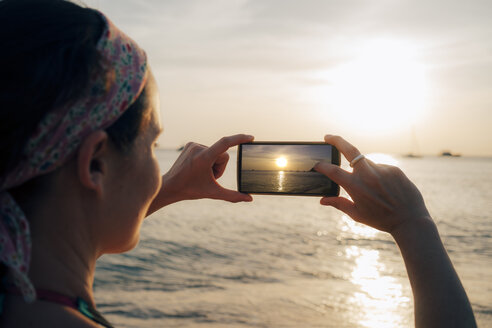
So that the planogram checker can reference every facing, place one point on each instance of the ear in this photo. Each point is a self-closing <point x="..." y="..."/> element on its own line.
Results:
<point x="92" y="160"/>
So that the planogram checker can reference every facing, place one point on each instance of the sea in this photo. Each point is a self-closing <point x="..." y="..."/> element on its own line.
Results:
<point x="284" y="182"/>
<point x="286" y="261"/>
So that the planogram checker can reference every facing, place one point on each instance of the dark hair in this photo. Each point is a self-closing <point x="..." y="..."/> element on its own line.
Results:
<point x="48" y="54"/>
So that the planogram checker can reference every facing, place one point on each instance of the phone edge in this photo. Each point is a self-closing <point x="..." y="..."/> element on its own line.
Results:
<point x="238" y="166"/>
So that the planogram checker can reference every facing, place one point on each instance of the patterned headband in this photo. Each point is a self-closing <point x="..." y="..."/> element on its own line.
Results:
<point x="60" y="133"/>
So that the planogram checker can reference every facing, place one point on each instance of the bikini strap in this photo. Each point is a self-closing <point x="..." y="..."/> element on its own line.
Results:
<point x="78" y="303"/>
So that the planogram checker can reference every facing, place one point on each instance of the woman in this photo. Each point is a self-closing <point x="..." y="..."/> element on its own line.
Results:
<point x="79" y="115"/>
<point x="78" y="120"/>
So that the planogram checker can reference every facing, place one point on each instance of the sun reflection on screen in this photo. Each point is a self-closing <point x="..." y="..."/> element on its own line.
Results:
<point x="281" y="162"/>
<point x="281" y="177"/>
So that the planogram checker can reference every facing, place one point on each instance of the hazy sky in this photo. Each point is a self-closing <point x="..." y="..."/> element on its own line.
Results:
<point x="296" y="157"/>
<point x="374" y="71"/>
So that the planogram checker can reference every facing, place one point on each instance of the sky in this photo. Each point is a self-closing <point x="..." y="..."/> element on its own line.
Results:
<point x="391" y="76"/>
<point x="284" y="157"/>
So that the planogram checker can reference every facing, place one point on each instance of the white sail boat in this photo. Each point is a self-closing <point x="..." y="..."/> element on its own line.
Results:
<point x="414" y="148"/>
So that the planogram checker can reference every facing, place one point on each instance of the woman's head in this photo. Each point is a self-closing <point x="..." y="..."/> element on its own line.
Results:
<point x="71" y="87"/>
<point x="48" y="57"/>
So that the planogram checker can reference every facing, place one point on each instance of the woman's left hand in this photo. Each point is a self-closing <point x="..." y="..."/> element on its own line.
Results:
<point x="194" y="174"/>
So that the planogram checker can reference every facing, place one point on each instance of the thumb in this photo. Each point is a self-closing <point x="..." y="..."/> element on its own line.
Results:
<point x="343" y="204"/>
<point x="231" y="195"/>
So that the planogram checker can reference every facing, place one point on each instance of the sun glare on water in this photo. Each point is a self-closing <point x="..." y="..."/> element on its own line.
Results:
<point x="382" y="89"/>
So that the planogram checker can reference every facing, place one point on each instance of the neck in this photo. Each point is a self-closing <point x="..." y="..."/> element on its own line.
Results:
<point x="63" y="257"/>
<point x="60" y="266"/>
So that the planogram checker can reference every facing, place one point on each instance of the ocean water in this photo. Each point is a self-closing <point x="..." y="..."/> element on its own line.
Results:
<point x="284" y="261"/>
<point x="285" y="182"/>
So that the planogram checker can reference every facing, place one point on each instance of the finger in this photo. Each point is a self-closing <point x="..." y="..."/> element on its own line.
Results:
<point x="220" y="165"/>
<point x="340" y="203"/>
<point x="335" y="173"/>
<point x="225" y="143"/>
<point x="347" y="149"/>
<point x="193" y="148"/>
<point x="231" y="195"/>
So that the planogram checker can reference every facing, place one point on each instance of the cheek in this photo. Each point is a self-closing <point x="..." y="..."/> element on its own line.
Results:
<point x="143" y="188"/>
<point x="156" y="183"/>
<point x="153" y="185"/>
<point x="133" y="188"/>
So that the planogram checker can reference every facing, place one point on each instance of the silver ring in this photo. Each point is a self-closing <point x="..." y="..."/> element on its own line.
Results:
<point x="356" y="159"/>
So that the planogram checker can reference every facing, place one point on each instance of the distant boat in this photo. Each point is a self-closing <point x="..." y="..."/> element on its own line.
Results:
<point x="412" y="155"/>
<point x="181" y="148"/>
<point x="447" y="153"/>
<point x="415" y="153"/>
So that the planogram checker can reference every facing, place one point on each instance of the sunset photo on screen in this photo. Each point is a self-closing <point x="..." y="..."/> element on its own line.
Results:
<point x="286" y="169"/>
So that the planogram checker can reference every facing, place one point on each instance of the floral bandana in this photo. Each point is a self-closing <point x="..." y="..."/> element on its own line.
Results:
<point x="60" y="133"/>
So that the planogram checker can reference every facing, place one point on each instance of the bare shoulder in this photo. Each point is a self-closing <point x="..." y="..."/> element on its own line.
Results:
<point x="18" y="314"/>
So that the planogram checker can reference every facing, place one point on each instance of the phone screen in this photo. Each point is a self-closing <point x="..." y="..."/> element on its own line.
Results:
<point x="285" y="168"/>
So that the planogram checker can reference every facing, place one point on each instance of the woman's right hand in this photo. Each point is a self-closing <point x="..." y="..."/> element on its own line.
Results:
<point x="381" y="195"/>
<point x="385" y="199"/>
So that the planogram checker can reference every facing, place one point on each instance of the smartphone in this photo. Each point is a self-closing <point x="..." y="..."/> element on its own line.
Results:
<point x="285" y="168"/>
